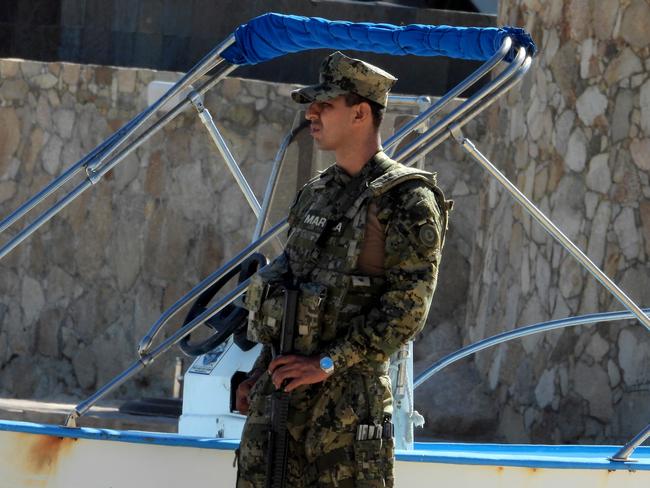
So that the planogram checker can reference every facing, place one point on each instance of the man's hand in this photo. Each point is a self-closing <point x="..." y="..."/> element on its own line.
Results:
<point x="242" y="402"/>
<point x="298" y="370"/>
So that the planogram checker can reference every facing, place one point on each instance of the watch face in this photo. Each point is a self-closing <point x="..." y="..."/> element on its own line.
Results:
<point x="326" y="364"/>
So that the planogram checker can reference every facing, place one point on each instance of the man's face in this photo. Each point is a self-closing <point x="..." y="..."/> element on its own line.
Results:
<point x="331" y="123"/>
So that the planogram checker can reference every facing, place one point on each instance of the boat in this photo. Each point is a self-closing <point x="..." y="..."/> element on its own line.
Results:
<point x="34" y="454"/>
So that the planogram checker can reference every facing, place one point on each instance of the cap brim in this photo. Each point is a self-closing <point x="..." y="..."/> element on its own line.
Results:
<point x="316" y="93"/>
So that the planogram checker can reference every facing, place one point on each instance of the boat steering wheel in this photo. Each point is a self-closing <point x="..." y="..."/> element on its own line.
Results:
<point x="231" y="320"/>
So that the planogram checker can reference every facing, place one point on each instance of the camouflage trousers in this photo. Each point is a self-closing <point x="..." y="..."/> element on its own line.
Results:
<point x="323" y="420"/>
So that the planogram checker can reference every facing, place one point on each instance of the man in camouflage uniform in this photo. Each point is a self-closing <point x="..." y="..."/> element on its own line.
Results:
<point x="364" y="249"/>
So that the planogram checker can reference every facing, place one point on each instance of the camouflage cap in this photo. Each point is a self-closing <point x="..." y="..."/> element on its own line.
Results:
<point x="340" y="74"/>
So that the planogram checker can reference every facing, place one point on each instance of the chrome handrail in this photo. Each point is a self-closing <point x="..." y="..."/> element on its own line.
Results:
<point x="623" y="454"/>
<point x="459" y="89"/>
<point x="93" y="160"/>
<point x="145" y="343"/>
<point x="552" y="229"/>
<point x="273" y="177"/>
<point x="517" y="65"/>
<point x="141" y="363"/>
<point x="96" y="172"/>
<point x="207" y="63"/>
<point x="470" y="114"/>
<point x="519" y="333"/>
<point x="208" y="122"/>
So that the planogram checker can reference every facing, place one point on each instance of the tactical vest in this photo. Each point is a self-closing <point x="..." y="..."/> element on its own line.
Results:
<point x="322" y="253"/>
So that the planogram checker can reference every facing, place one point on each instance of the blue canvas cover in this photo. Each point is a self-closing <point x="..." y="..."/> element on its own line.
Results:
<point x="273" y="35"/>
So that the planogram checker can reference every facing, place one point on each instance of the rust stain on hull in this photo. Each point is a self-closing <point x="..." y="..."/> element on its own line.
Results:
<point x="44" y="453"/>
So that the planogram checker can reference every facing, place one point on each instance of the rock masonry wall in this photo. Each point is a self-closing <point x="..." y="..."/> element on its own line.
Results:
<point x="80" y="293"/>
<point x="576" y="139"/>
<point x="76" y="297"/>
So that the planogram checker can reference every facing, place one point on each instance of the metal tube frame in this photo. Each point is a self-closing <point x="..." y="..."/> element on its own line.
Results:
<point x="274" y="176"/>
<point x="164" y="120"/>
<point x="623" y="455"/>
<point x="459" y="89"/>
<point x="149" y="358"/>
<point x="519" y="333"/>
<point x="551" y="228"/>
<point x="195" y="98"/>
<point x="423" y="144"/>
<point x="208" y="62"/>
<point x="443" y="135"/>
<point x="207" y="282"/>
<point x="485" y="93"/>
<point x="92" y="161"/>
<point x="231" y="163"/>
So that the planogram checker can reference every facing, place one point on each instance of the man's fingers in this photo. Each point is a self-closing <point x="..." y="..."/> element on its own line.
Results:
<point x="242" y="405"/>
<point x="299" y="370"/>
<point x="241" y="399"/>
<point x="286" y="372"/>
<point x="305" y="379"/>
<point x="295" y="383"/>
<point x="280" y="360"/>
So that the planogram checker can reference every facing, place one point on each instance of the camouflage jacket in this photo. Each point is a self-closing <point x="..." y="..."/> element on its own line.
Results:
<point x="361" y="320"/>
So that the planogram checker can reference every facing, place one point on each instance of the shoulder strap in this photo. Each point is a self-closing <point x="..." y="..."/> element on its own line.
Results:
<point x="320" y="180"/>
<point x="399" y="174"/>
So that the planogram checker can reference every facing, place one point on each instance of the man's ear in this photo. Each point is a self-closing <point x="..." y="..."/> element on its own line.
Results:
<point x="362" y="112"/>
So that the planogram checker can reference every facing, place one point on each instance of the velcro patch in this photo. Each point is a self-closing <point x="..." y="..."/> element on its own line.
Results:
<point x="428" y="235"/>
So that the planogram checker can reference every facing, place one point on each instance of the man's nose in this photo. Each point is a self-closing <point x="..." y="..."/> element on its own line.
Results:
<point x="312" y="111"/>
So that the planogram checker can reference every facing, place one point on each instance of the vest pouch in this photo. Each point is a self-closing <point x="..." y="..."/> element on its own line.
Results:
<point x="372" y="463"/>
<point x="265" y="305"/>
<point x="311" y="305"/>
<point x="255" y="294"/>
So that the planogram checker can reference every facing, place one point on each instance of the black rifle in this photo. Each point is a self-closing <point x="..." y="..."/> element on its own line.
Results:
<point x="276" y="468"/>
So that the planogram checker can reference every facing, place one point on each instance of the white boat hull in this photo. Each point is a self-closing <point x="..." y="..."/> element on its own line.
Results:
<point x="29" y="460"/>
<point x="33" y="455"/>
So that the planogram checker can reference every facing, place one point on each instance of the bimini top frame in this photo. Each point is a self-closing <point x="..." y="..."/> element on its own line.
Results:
<point x="273" y="35"/>
<point x="264" y="38"/>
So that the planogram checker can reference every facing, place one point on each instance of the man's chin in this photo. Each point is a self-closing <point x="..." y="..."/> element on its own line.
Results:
<point x="321" y="146"/>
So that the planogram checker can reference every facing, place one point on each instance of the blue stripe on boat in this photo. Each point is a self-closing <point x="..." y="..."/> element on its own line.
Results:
<point x="515" y="455"/>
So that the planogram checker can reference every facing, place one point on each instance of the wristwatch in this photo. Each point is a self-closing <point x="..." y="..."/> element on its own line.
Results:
<point x="326" y="364"/>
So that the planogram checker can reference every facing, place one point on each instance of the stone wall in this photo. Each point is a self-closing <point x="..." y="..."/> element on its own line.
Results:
<point x="576" y="139"/>
<point x="76" y="297"/>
